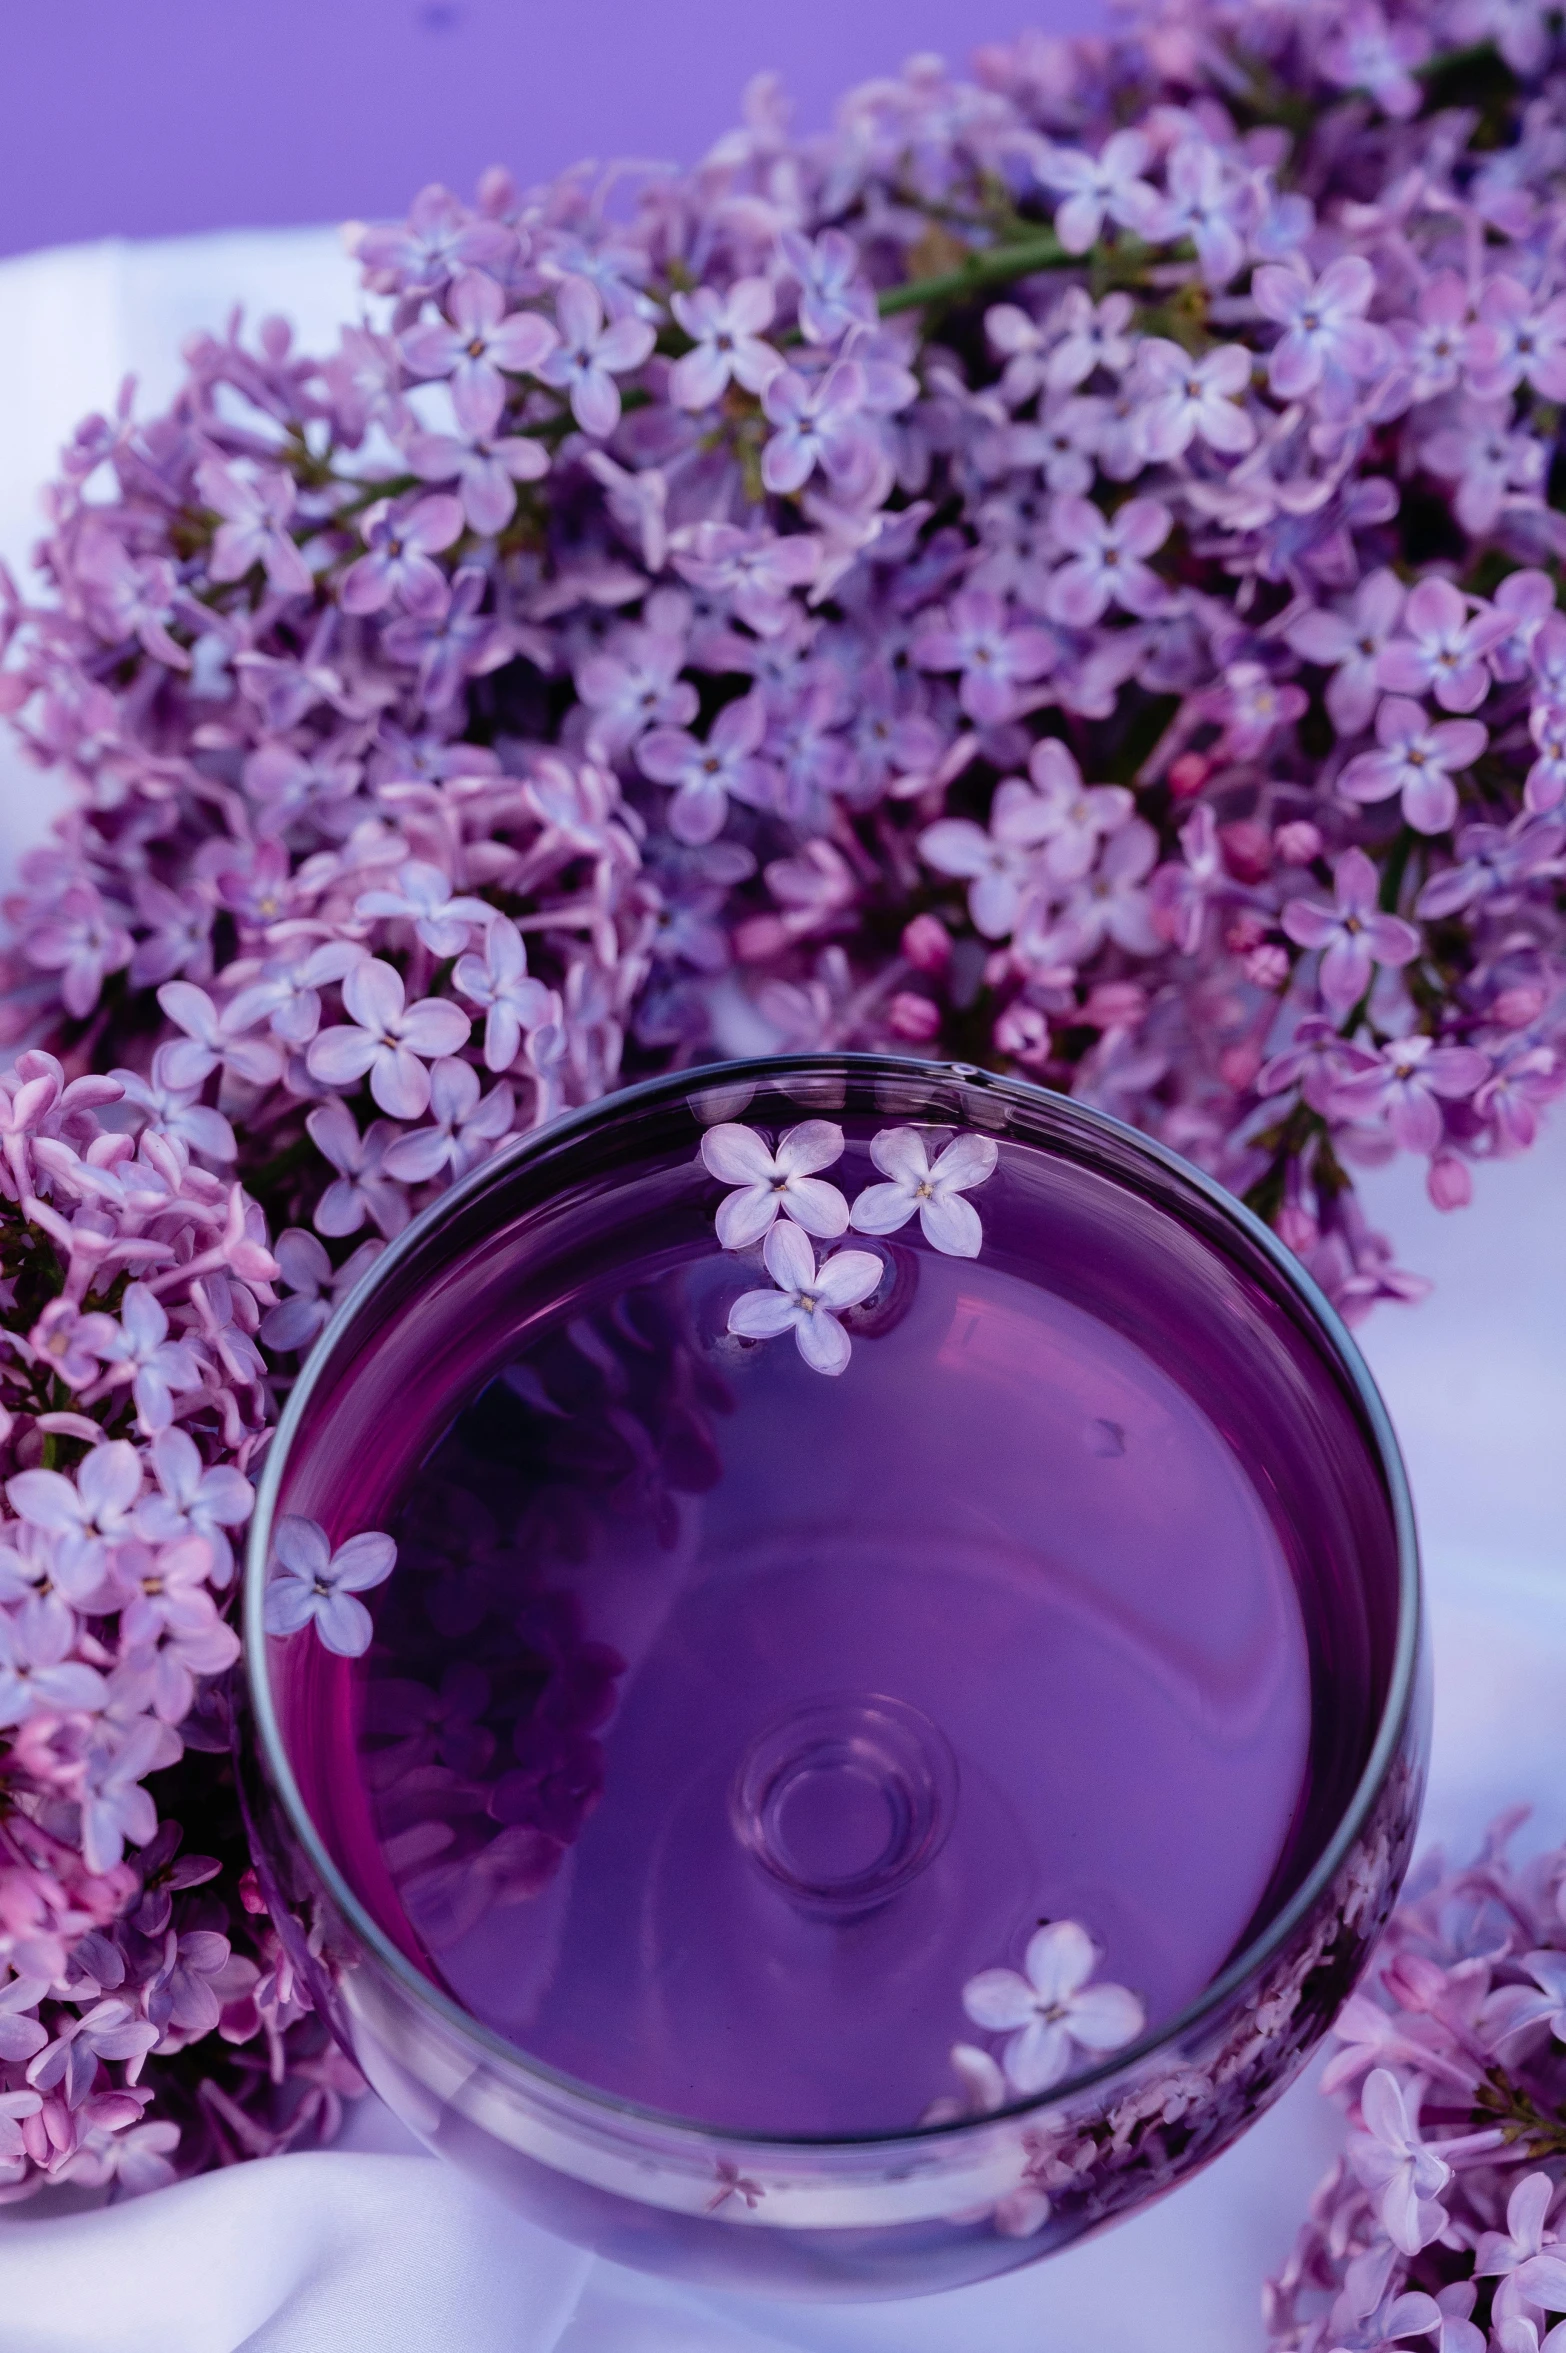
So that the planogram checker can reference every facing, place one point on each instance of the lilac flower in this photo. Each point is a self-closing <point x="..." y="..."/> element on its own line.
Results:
<point x="422" y="895"/>
<point x="1396" y="2165"/>
<point x="462" y="1130"/>
<point x="949" y="1223"/>
<point x="480" y="342"/>
<point x="1106" y="559"/>
<point x="1365" y="52"/>
<point x="313" y="1585"/>
<point x="1417" y="760"/>
<point x="83" y="940"/>
<point x="633" y="684"/>
<point x="727" y="331"/>
<point x="1002" y="864"/>
<point x="1050" y="2012"/>
<point x="359" y="1189"/>
<point x="1110" y="183"/>
<point x="1325" y="331"/>
<point x="485" y="464"/>
<point x="36" y="1668"/>
<point x="211" y="1041"/>
<point x="1525" y="2257"/>
<point x="109" y="2030"/>
<point x="1518" y="340"/>
<point x="1208" y="201"/>
<point x="1493" y="468"/>
<point x="705" y="774"/>
<point x="498" y="980"/>
<point x="775" y="1183"/>
<point x="818" y="424"/>
<point x="256" y="511"/>
<point x="590" y="355"/>
<point x="1442" y="651"/>
<point x="139" y="1353"/>
<point x="400" y="540"/>
<point x="1353" y="935"/>
<point x="1194" y="399"/>
<point x="833" y="297"/>
<point x="1350" y="642"/>
<point x="809" y="1299"/>
<point x="86" y="1514"/>
<point x="972" y="635"/>
<point x="1407" y="1083"/>
<point x="194" y="1499"/>
<point x="439" y="239"/>
<point x="387" y="1042"/>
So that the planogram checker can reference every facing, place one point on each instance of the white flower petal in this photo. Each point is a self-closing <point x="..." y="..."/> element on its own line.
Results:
<point x="1038" y="2056"/>
<point x="1059" y="1959"/>
<point x="881" y="1209"/>
<point x="301" y="1546"/>
<point x="736" y="1155"/>
<point x="848" y="1277"/>
<point x="823" y="1343"/>
<point x="399" y="1082"/>
<point x="952" y="1225"/>
<point x="1102" y="2017"/>
<point x="789" y="1258"/>
<point x="967" y="1160"/>
<point x="761" y="1315"/>
<point x="899" y="1152"/>
<point x="746" y="1215"/>
<point x="373" y="994"/>
<point x="344" y="1625"/>
<point x="998" y="1999"/>
<point x="814" y="1144"/>
<point x="290" y="1604"/>
<point x="365" y="1560"/>
<point x="817" y="1206"/>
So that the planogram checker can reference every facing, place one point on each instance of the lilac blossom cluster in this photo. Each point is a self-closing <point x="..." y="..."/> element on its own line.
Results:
<point x="1060" y="571"/>
<point x="132" y="1404"/>
<point x="1441" y="2226"/>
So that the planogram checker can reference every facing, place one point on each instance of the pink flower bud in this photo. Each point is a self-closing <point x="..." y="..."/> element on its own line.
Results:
<point x="909" y="1016"/>
<point x="1449" y="1183"/>
<point x="1023" y="1033"/>
<point x="760" y="939"/>
<point x="1188" y="774"/>
<point x="927" y="944"/>
<point x="1238" y="1064"/>
<point x="1246" y="930"/>
<point x="1297" y="842"/>
<point x="1297" y="1229"/>
<point x="1267" y="967"/>
<point x="1247" y="849"/>
<point x="1514" y="1008"/>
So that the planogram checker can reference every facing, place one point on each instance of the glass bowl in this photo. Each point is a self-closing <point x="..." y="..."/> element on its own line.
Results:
<point x="1088" y="1591"/>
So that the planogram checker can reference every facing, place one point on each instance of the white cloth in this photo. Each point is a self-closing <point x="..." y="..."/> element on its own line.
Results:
<point x="370" y="2249"/>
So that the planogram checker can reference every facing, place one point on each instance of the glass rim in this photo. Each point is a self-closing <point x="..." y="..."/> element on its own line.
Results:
<point x="1253" y="1956"/>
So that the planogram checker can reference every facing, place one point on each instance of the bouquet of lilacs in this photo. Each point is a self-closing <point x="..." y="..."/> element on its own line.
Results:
<point x="134" y="1402"/>
<point x="1059" y="571"/>
<point x="1441" y="2224"/>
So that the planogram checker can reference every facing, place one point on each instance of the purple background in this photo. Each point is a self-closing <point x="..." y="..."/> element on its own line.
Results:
<point x="155" y="117"/>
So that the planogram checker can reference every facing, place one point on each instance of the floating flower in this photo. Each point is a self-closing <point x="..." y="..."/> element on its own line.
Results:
<point x="949" y="1223"/>
<point x="783" y="1182"/>
<point x="1051" y="2012"/>
<point x="313" y="1585"/>
<point x="808" y="1300"/>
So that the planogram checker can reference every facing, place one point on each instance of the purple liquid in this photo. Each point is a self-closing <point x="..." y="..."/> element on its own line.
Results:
<point x="723" y="1719"/>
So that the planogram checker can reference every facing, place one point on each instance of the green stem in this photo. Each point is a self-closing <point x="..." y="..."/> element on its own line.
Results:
<point x="995" y="265"/>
